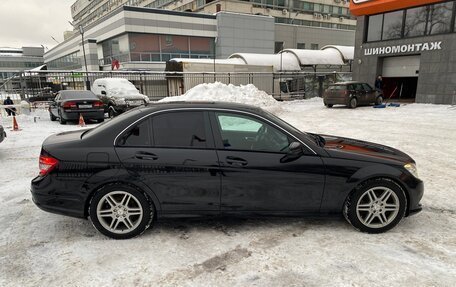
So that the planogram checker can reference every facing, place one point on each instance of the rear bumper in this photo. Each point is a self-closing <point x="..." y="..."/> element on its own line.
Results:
<point x="88" y="115"/>
<point x="47" y="198"/>
<point x="335" y="101"/>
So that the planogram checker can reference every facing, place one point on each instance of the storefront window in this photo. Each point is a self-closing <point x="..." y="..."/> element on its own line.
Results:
<point x="415" y="22"/>
<point x="439" y="18"/>
<point x="374" y="32"/>
<point x="392" y="25"/>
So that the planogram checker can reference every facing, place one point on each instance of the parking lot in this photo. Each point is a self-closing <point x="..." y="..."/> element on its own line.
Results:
<point x="43" y="249"/>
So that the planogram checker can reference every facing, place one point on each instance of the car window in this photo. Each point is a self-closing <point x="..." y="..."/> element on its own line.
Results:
<point x="337" y="88"/>
<point x="367" y="87"/>
<point x="179" y="129"/>
<point x="358" y="87"/>
<point x="240" y="132"/>
<point x="139" y="135"/>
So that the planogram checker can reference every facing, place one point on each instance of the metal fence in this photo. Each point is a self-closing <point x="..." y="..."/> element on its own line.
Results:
<point x="157" y="85"/>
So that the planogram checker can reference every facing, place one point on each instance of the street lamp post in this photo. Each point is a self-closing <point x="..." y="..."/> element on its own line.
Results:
<point x="81" y="30"/>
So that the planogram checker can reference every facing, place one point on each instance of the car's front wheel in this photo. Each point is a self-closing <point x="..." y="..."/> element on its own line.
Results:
<point x="120" y="211"/>
<point x="52" y="117"/>
<point x="379" y="100"/>
<point x="376" y="206"/>
<point x="353" y="103"/>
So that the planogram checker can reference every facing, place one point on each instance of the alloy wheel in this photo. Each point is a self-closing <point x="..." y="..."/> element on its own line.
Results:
<point x="377" y="207"/>
<point x="119" y="212"/>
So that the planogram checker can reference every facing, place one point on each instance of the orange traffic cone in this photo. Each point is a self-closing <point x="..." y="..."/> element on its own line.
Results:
<point x="15" y="125"/>
<point x="81" y="121"/>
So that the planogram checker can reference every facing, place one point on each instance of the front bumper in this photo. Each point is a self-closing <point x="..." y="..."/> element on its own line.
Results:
<point x="415" y="190"/>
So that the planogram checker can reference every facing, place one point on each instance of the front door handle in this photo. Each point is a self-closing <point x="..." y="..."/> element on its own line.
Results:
<point x="236" y="161"/>
<point x="146" y="156"/>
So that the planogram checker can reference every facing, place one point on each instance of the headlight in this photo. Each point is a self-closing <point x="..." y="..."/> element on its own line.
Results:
<point x="120" y="101"/>
<point x="411" y="167"/>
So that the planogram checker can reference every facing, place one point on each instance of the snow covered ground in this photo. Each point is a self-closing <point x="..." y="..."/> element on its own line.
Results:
<point x="43" y="249"/>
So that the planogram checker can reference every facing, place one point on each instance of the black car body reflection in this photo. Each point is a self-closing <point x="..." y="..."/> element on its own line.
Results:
<point x="193" y="159"/>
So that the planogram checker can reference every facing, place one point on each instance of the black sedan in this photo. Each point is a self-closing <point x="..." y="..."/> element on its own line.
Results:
<point x="2" y="133"/>
<point x="196" y="159"/>
<point x="68" y="105"/>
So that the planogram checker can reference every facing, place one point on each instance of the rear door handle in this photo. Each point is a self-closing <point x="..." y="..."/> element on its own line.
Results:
<point x="146" y="156"/>
<point x="236" y="161"/>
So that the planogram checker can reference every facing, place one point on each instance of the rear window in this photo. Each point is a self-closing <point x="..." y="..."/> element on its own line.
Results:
<point x="68" y="95"/>
<point x="337" y="87"/>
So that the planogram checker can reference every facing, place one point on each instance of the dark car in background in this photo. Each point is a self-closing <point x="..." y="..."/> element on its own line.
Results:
<point x="68" y="105"/>
<point x="202" y="159"/>
<point x="2" y="133"/>
<point x="351" y="94"/>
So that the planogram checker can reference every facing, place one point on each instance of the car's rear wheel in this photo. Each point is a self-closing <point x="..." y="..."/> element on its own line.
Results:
<point x="329" y="105"/>
<point x="353" y="103"/>
<point x="120" y="211"/>
<point x="62" y="121"/>
<point x="376" y="206"/>
<point x="379" y="100"/>
<point x="111" y="113"/>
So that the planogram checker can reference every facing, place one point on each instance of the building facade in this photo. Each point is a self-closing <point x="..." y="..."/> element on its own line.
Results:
<point x="144" y="34"/>
<point x="412" y="44"/>
<point x="15" y="60"/>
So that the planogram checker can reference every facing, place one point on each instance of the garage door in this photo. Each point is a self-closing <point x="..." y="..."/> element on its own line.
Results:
<point x="394" y="67"/>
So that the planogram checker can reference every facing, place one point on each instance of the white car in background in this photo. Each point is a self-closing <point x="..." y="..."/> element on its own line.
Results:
<point x="118" y="95"/>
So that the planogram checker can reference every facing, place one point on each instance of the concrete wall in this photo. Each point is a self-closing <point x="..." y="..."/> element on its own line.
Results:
<point x="290" y="35"/>
<point x="437" y="75"/>
<point x="241" y="33"/>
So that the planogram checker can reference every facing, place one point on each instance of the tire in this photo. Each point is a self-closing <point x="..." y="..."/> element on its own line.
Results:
<point x="366" y="211"/>
<point x="353" y="103"/>
<point x="379" y="100"/>
<point x="52" y="117"/>
<point x="111" y="113"/>
<point x="329" y="105"/>
<point x="120" y="211"/>
<point x="62" y="121"/>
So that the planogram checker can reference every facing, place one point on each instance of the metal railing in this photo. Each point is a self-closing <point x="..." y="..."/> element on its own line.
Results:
<point x="157" y="85"/>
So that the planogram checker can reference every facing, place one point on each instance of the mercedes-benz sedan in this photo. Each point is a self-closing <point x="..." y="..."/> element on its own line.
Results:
<point x="203" y="159"/>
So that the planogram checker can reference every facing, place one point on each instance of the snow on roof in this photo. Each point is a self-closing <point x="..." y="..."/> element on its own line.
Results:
<point x="316" y="57"/>
<point x="208" y="61"/>
<point x="347" y="52"/>
<point x="285" y="62"/>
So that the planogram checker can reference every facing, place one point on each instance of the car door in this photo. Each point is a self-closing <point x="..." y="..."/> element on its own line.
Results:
<point x="173" y="153"/>
<point x="370" y="93"/>
<point x="361" y="93"/>
<point x="255" y="175"/>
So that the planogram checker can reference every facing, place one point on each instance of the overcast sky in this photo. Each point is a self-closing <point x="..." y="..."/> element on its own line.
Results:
<point x="33" y="22"/>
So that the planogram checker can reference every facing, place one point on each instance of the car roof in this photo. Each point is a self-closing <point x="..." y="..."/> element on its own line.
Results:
<point x="203" y="105"/>
<point x="347" y="83"/>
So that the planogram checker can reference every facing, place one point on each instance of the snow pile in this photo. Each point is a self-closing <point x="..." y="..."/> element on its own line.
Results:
<point x="219" y="92"/>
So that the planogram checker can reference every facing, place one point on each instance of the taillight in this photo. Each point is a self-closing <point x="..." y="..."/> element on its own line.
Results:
<point x="97" y="104"/>
<point x="70" y="105"/>
<point x="47" y="164"/>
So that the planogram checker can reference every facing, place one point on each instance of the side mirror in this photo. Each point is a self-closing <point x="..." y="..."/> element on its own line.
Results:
<point x="295" y="152"/>
<point x="295" y="148"/>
